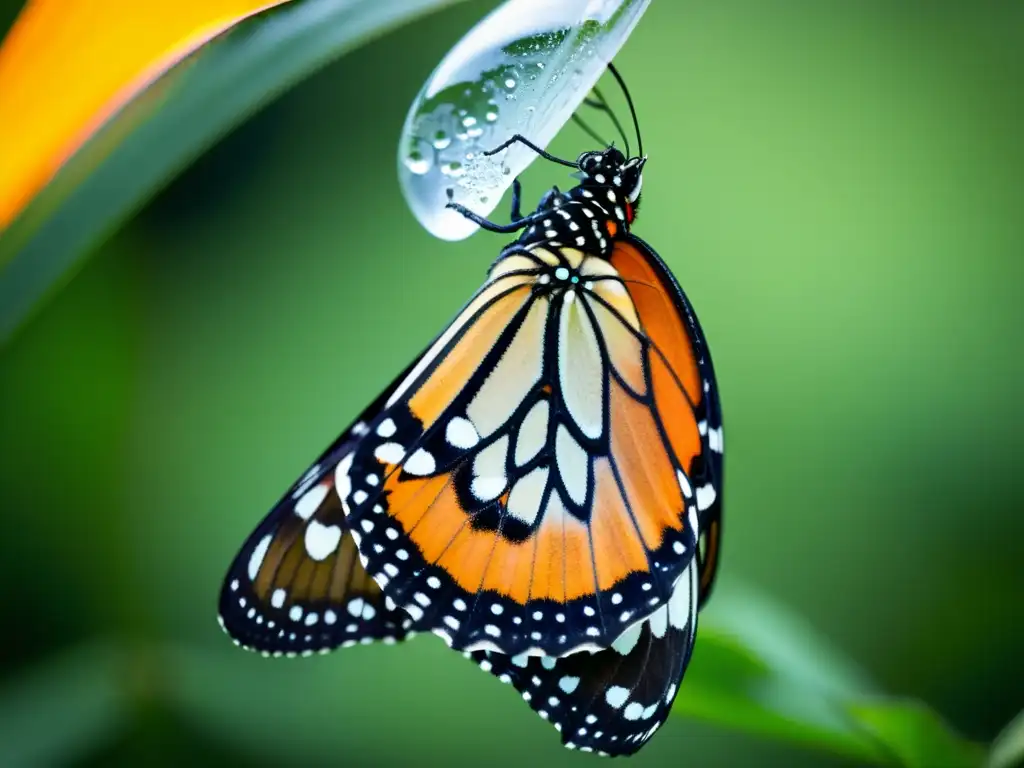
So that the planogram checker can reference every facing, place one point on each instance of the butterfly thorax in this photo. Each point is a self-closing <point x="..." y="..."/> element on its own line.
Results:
<point x="594" y="214"/>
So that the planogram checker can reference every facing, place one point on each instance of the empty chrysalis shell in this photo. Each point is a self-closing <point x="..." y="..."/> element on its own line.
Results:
<point x="524" y="69"/>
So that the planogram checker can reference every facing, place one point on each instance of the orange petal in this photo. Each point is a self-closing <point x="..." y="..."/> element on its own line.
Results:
<point x="68" y="65"/>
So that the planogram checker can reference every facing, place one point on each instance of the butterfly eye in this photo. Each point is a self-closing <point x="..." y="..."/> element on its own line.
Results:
<point x="613" y="157"/>
<point x="588" y="162"/>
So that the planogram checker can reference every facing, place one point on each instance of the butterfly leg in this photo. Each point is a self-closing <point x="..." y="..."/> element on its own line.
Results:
<point x="520" y="139"/>
<point x="517" y="190"/>
<point x="490" y="226"/>
<point x="476" y="218"/>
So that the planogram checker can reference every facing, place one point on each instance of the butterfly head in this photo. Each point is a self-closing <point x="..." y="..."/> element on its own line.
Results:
<point x="611" y="168"/>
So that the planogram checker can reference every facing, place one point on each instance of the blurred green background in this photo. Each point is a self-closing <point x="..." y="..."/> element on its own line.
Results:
<point x="838" y="188"/>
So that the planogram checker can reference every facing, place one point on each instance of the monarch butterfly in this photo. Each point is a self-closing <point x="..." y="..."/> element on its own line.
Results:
<point x="541" y="487"/>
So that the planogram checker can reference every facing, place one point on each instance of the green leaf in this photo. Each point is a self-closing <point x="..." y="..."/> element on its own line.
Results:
<point x="62" y="709"/>
<point x="913" y="735"/>
<point x="159" y="133"/>
<point x="759" y="669"/>
<point x="1008" y="748"/>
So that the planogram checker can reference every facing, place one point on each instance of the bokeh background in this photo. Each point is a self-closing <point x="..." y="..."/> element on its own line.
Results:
<point x="838" y="187"/>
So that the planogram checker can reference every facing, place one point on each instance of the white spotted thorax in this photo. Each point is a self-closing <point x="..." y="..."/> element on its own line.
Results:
<point x="591" y="215"/>
<point x="524" y="69"/>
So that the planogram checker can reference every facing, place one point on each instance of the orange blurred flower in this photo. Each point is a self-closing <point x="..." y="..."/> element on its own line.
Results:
<point x="68" y="65"/>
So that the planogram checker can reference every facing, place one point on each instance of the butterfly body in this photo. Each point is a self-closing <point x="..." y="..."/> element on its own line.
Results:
<point x="541" y="487"/>
<point x="591" y="215"/>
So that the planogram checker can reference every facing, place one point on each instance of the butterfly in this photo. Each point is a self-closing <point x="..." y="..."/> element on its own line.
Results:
<point x="541" y="487"/>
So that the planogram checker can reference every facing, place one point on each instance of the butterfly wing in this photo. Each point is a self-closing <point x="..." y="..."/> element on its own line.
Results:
<point x="533" y="485"/>
<point x="589" y="539"/>
<point x="670" y="322"/>
<point x="612" y="701"/>
<point x="297" y="586"/>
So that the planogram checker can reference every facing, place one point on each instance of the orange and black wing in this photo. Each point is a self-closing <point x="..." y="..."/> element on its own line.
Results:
<point x="611" y="702"/>
<point x="297" y="585"/>
<point x="671" y="324"/>
<point x="534" y="483"/>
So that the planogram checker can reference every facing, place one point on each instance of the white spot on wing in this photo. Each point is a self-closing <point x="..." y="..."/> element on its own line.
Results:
<point x="616" y="696"/>
<point x="580" y="369"/>
<point x="342" y="482"/>
<point x="390" y="453"/>
<point x="488" y="488"/>
<point x="355" y="607"/>
<point x="524" y="500"/>
<point x="573" y="464"/>
<point x="633" y="711"/>
<point x="420" y="463"/>
<point x="489" y="468"/>
<point x="684" y="484"/>
<point x="310" y="502"/>
<point x="569" y="683"/>
<point x="627" y="641"/>
<point x="256" y="558"/>
<point x="533" y="433"/>
<point x="705" y="496"/>
<point x="461" y="433"/>
<point x="321" y="540"/>
<point x="659" y="621"/>
<point x="681" y="605"/>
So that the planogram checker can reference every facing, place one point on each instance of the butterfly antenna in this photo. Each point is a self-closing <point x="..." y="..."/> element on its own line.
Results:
<point x="632" y="109"/>
<point x="588" y="130"/>
<point x="602" y="104"/>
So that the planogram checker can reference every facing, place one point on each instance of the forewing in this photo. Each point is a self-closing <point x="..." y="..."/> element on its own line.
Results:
<point x="521" y="491"/>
